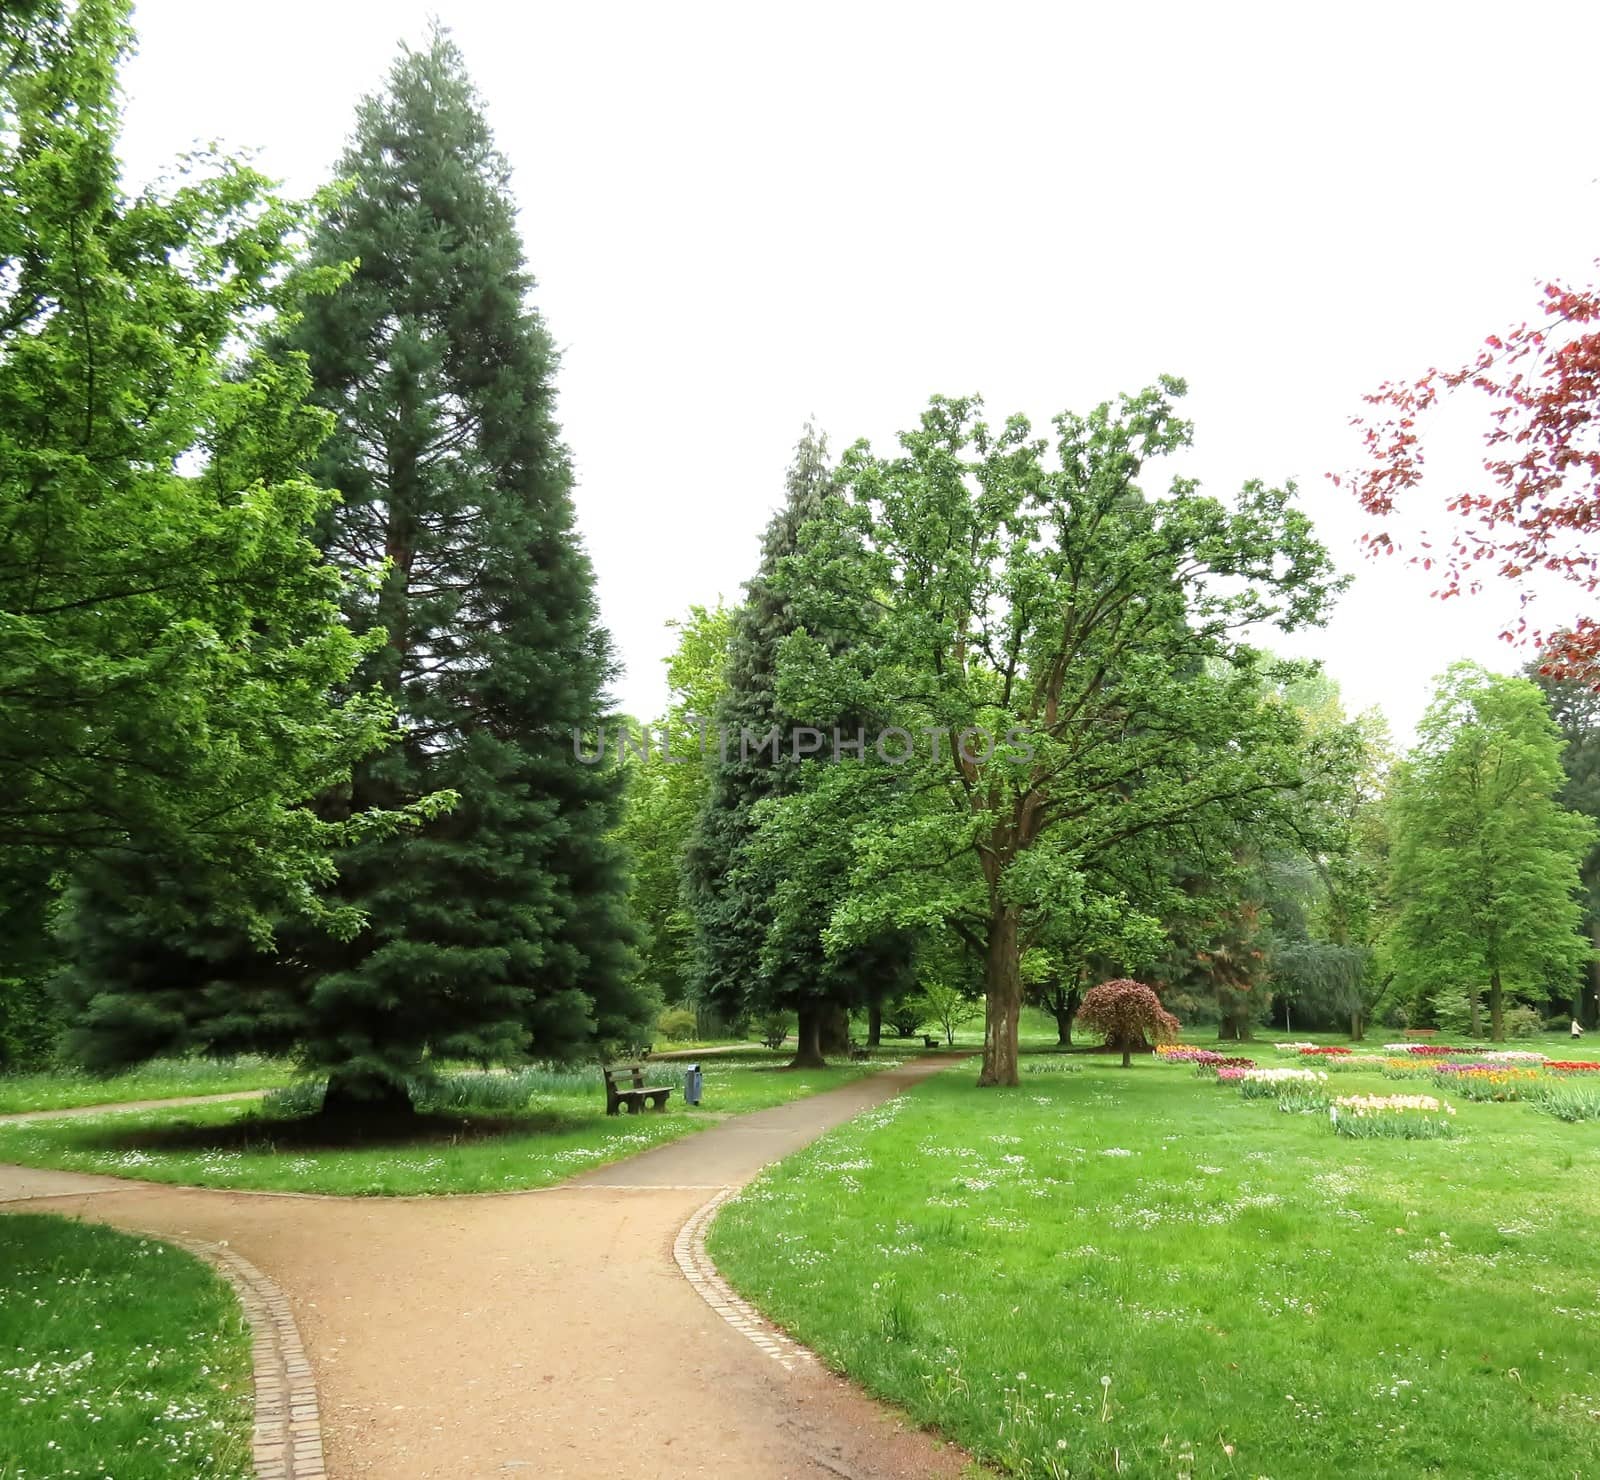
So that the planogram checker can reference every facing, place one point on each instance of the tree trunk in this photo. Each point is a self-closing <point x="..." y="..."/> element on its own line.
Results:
<point x="1002" y="979"/>
<point x="1235" y="1025"/>
<point x="1063" y="1028"/>
<point x="874" y="1023"/>
<point x="1477" y="1024"/>
<point x="1497" y="1008"/>
<point x="367" y="1098"/>
<point x="1589" y="1018"/>
<point x="1358" y="1027"/>
<point x="808" y="1038"/>
<point x="835" y="1029"/>
<point x="1127" y="1057"/>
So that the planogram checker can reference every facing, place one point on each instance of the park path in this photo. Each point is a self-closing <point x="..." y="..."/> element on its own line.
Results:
<point x="547" y="1333"/>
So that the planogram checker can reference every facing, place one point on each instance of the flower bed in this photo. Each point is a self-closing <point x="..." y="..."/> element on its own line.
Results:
<point x="1408" y="1117"/>
<point x="1324" y="1050"/>
<point x="1573" y="1066"/>
<point x="1267" y="1084"/>
<point x="1486" y="1081"/>
<point x="1404" y="1068"/>
<point x="1566" y="1098"/>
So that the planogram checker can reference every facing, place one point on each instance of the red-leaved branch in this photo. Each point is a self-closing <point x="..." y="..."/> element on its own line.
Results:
<point x="1541" y="508"/>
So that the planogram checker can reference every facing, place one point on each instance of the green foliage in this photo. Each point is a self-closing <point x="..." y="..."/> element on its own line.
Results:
<point x="498" y="930"/>
<point x="169" y="635"/>
<point x="31" y="1024"/>
<point x="995" y="582"/>
<point x="947" y="1005"/>
<point x="1484" y="871"/>
<point x="665" y="796"/>
<point x="764" y="871"/>
<point x="676" y="1024"/>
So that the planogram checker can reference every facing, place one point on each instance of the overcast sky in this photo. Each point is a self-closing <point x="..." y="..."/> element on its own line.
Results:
<point x="744" y="215"/>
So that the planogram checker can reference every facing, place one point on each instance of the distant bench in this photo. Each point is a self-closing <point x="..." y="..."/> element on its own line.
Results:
<point x="1423" y="1033"/>
<point x="928" y="1042"/>
<point x="633" y="1093"/>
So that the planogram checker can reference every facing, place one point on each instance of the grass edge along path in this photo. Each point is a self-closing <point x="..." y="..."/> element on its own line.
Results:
<point x="1141" y="1273"/>
<point x="453" y="1151"/>
<point x="121" y="1355"/>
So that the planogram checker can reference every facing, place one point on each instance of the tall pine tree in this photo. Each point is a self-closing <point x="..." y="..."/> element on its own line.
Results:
<point x="749" y="954"/>
<point x="498" y="931"/>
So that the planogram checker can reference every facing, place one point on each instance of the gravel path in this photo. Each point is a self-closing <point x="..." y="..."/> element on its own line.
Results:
<point x="548" y="1333"/>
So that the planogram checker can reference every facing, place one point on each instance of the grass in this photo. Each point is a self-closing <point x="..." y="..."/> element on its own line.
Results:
<point x="479" y="1133"/>
<point x="1138" y="1272"/>
<point x="161" y="1079"/>
<point x="118" y="1356"/>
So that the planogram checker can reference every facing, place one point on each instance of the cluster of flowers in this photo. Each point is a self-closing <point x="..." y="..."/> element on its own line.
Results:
<point x="1296" y="1047"/>
<point x="1302" y="1087"/>
<point x="1432" y="1050"/>
<point x="1325" y="1050"/>
<point x="1413" y="1117"/>
<point x="1511" y="1056"/>
<point x="1573" y="1066"/>
<point x="1485" y="1081"/>
<point x="1360" y="1105"/>
<point x="1172" y="1053"/>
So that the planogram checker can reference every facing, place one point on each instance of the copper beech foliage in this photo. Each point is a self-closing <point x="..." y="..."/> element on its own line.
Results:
<point x="1541" y="509"/>
<point x="1128" y="1015"/>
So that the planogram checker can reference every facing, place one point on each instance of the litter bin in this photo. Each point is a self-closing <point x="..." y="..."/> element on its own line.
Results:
<point x="691" y="1085"/>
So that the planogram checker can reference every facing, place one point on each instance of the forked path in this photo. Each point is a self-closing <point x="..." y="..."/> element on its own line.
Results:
<point x="545" y="1333"/>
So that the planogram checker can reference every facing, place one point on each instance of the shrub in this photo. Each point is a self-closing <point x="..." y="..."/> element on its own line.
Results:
<point x="31" y="1023"/>
<point x="772" y="1028"/>
<point x="676" y="1025"/>
<point x="1128" y="1015"/>
<point x="1522" y="1022"/>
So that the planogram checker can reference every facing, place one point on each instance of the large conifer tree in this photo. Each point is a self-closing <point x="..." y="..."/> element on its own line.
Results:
<point x="751" y="955"/>
<point x="499" y="930"/>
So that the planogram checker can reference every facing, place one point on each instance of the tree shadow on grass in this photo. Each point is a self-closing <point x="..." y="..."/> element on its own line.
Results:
<point x="265" y="1133"/>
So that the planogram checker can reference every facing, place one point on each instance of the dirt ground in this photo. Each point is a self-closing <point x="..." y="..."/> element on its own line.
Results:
<point x="548" y="1333"/>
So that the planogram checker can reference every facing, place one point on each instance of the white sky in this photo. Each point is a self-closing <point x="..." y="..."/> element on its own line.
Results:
<point x="741" y="215"/>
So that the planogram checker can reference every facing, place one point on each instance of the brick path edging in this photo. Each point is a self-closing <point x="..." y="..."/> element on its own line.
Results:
<point x="287" y="1439"/>
<point x="689" y="1249"/>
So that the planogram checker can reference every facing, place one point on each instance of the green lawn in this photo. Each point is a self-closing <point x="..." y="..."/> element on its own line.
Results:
<point x="482" y="1133"/>
<point x="1140" y="1273"/>
<point x="118" y="1356"/>
<point x="162" y="1079"/>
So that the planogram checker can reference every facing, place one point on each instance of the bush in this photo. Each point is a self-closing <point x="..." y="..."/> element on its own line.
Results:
<point x="1128" y="1015"/>
<point x="773" y="1028"/>
<point x="31" y="1022"/>
<point x="676" y="1025"/>
<point x="1452" y="1011"/>
<point x="1522" y="1022"/>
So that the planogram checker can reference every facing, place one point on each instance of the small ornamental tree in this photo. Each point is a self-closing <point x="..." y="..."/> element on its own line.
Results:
<point x="1128" y="1015"/>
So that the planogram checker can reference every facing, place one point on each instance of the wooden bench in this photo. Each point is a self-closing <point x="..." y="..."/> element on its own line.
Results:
<point x="1422" y="1033"/>
<point x="634" y="1092"/>
<point x="928" y="1042"/>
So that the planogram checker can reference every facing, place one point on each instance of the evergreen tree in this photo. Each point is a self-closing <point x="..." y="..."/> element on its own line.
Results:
<point x="1484" y="863"/>
<point x="499" y="931"/>
<point x="751" y="956"/>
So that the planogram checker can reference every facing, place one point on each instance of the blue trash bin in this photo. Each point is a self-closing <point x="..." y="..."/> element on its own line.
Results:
<point x="691" y="1085"/>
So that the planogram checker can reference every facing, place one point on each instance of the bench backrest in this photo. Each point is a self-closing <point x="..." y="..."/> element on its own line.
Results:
<point x="613" y="1071"/>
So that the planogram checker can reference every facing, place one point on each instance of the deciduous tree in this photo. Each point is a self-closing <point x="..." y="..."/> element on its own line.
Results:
<point x="1485" y="862"/>
<point x="1068" y="656"/>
